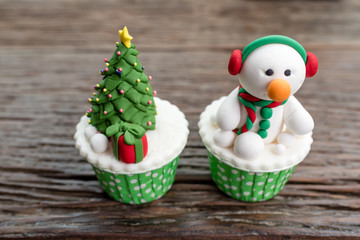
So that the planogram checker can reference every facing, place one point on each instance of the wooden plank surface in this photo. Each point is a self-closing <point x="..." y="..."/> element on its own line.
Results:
<point x="50" y="53"/>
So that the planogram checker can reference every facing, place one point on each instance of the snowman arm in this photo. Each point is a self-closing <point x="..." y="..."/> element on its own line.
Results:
<point x="228" y="114"/>
<point x="296" y="118"/>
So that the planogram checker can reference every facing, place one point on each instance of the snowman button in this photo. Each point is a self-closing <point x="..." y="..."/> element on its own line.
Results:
<point x="266" y="113"/>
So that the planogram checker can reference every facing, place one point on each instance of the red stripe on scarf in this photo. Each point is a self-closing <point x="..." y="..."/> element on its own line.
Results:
<point x="251" y="114"/>
<point x="274" y="104"/>
<point x="249" y="97"/>
<point x="244" y="129"/>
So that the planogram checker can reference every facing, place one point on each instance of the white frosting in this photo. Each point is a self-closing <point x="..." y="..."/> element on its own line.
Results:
<point x="165" y="143"/>
<point x="90" y="131"/>
<point x="266" y="161"/>
<point x="287" y="139"/>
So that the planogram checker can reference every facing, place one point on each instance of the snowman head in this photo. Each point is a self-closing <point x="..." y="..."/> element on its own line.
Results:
<point x="273" y="67"/>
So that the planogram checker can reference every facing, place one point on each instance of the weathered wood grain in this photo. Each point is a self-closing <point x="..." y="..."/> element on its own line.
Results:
<point x="50" y="53"/>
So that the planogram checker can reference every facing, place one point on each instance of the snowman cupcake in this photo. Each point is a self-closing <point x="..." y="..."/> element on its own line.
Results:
<point x="257" y="134"/>
<point x="131" y="138"/>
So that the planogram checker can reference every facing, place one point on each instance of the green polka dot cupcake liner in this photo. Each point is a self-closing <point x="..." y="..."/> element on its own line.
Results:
<point x="138" y="188"/>
<point x="247" y="186"/>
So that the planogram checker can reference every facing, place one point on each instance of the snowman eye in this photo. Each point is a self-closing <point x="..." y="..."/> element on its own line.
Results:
<point x="269" y="72"/>
<point x="287" y="72"/>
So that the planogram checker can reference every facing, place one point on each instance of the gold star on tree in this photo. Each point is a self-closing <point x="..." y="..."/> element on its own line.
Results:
<point x="125" y="37"/>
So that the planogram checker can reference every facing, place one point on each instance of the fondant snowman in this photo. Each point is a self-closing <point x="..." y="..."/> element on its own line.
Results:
<point x="270" y="70"/>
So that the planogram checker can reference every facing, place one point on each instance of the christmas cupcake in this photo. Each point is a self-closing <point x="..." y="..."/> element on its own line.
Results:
<point x="257" y="134"/>
<point x="131" y="138"/>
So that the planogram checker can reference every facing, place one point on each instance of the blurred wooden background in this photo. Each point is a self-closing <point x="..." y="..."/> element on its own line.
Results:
<point x="50" y="55"/>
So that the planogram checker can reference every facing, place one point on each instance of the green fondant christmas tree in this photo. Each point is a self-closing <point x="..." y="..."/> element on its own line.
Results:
<point x="124" y="95"/>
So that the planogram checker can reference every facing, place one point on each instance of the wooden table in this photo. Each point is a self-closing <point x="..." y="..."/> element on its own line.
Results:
<point x="50" y="54"/>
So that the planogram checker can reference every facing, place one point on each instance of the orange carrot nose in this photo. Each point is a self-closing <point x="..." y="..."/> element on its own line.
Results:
<point x="279" y="90"/>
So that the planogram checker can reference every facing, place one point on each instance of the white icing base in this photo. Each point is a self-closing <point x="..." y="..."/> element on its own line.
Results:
<point x="165" y="143"/>
<point x="267" y="161"/>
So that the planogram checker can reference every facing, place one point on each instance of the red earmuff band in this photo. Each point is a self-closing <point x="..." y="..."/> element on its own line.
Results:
<point x="311" y="64"/>
<point x="235" y="62"/>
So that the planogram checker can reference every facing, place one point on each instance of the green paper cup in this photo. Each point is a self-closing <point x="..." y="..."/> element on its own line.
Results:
<point x="247" y="186"/>
<point x="138" y="188"/>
